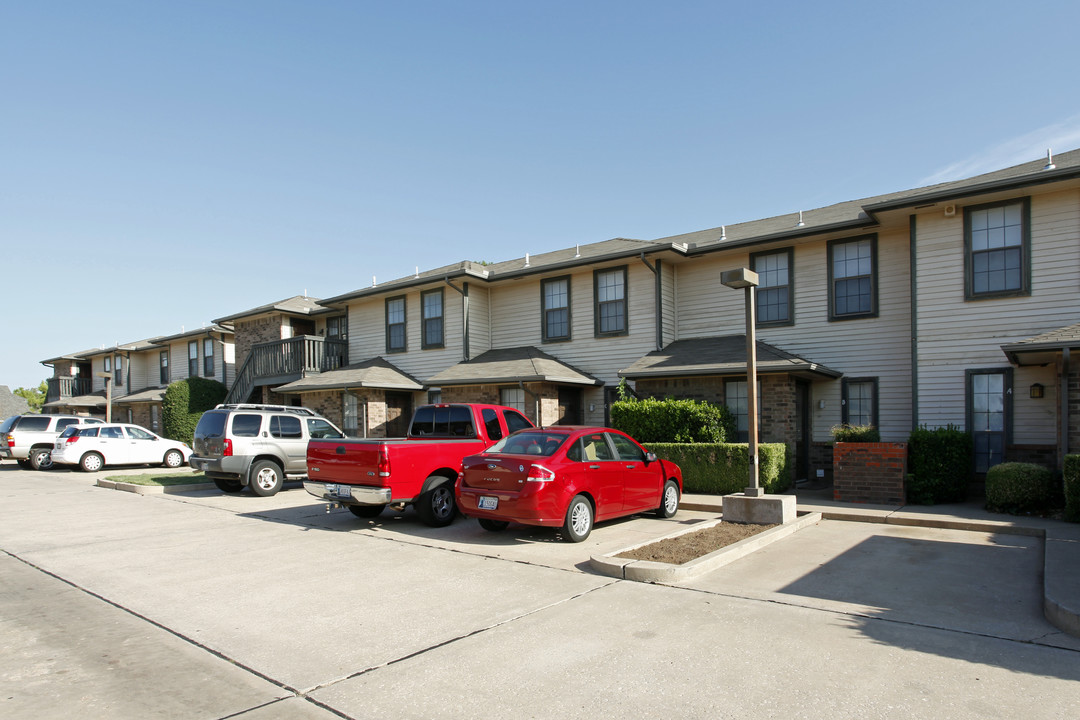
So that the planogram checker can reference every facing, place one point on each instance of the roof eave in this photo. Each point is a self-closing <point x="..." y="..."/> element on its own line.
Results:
<point x="1041" y="177"/>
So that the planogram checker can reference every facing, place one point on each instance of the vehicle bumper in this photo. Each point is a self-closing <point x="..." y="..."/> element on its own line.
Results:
<point x="527" y="509"/>
<point x="224" y="468"/>
<point x="349" y="494"/>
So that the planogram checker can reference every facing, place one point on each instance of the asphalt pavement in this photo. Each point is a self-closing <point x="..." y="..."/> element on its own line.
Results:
<point x="205" y="605"/>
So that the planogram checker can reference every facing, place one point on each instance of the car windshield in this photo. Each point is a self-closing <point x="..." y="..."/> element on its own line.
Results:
<point x="529" y="443"/>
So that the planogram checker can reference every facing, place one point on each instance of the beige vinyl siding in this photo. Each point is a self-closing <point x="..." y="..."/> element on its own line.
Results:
<point x="1035" y="419"/>
<point x="955" y="335"/>
<point x="140" y="377"/>
<point x="668" y="296"/>
<point x="479" y="319"/>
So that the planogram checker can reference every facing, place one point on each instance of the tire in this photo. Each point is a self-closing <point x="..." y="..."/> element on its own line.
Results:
<point x="493" y="525"/>
<point x="40" y="459"/>
<point x="173" y="459"/>
<point x="24" y="463"/>
<point x="366" y="511"/>
<point x="229" y="486"/>
<point x="91" y="462"/>
<point x="669" y="501"/>
<point x="436" y="506"/>
<point x="266" y="478"/>
<point x="579" y="519"/>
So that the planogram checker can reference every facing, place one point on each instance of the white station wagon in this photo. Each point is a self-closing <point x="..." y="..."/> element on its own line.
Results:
<point x="92" y="447"/>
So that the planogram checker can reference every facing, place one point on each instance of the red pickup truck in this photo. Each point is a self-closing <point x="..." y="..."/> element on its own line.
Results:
<point x="367" y="475"/>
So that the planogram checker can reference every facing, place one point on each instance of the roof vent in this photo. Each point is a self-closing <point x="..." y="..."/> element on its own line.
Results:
<point x="800" y="223"/>
<point x="526" y="259"/>
<point x="577" y="250"/>
<point x="372" y="281"/>
<point x="417" y="275"/>
<point x="1049" y="161"/>
<point x="723" y="233"/>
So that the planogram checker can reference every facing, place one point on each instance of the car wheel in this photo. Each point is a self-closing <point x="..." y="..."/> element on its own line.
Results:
<point x="493" y="525"/>
<point x="40" y="459"/>
<point x="366" y="511"/>
<point x="436" y="507"/>
<point x="173" y="459"/>
<point x="91" y="462"/>
<point x="266" y="478"/>
<point x="24" y="463"/>
<point x="579" y="519"/>
<point x="669" y="502"/>
<point x="229" y="486"/>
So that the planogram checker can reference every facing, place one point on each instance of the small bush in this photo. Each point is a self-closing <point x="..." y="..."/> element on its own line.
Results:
<point x="1072" y="488"/>
<point x="940" y="462"/>
<point x="724" y="468"/>
<point x="856" y="433"/>
<point x="184" y="403"/>
<point x="1019" y="487"/>
<point x="673" y="421"/>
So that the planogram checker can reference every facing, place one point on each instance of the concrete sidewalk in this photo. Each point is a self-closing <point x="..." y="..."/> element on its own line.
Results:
<point x="1061" y="580"/>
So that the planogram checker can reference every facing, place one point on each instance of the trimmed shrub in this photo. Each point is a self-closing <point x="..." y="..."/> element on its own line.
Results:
<point x="724" y="468"/>
<point x="1019" y="487"/>
<point x="940" y="462"/>
<point x="673" y="421"/>
<point x="1072" y="488"/>
<point x="184" y="403"/>
<point x="856" y="434"/>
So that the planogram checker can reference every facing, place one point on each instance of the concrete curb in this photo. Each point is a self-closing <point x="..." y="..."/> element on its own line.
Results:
<point x="153" y="489"/>
<point x="1061" y="586"/>
<point x="657" y="572"/>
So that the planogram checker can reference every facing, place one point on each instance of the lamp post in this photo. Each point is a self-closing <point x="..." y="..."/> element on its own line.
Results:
<point x="747" y="279"/>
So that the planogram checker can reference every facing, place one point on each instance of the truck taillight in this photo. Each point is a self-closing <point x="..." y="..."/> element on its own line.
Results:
<point x="384" y="463"/>
<point x="539" y="473"/>
<point x="226" y="447"/>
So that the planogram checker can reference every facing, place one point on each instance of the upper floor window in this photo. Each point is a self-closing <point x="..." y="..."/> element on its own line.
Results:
<point x="853" y="278"/>
<point x="859" y="401"/>
<point x="610" y="308"/>
<point x="208" y="357"/>
<point x="431" y="304"/>
<point x="555" y="297"/>
<point x="107" y="367"/>
<point x="395" y="324"/>
<point x="193" y="358"/>
<point x="337" y="328"/>
<point x="163" y="367"/>
<point x="774" y="292"/>
<point x="997" y="249"/>
<point x="118" y="369"/>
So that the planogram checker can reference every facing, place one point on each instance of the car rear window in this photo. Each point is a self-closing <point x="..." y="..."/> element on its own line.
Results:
<point x="529" y="443"/>
<point x="87" y="432"/>
<point x="211" y="424"/>
<point x="34" y="423"/>
<point x="69" y="431"/>
<point x="246" y="425"/>
<point x="6" y="425"/>
<point x="442" y="421"/>
<point x="64" y="422"/>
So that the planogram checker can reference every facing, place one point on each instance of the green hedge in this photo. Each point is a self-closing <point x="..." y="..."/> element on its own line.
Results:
<point x="184" y="403"/>
<point x="723" y="468"/>
<point x="939" y="463"/>
<point x="1072" y="488"/>
<point x="1019" y="487"/>
<point x="673" y="421"/>
<point x="856" y="434"/>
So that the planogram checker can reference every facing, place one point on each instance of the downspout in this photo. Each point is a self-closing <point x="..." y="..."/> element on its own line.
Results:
<point x="536" y="401"/>
<point x="464" y="290"/>
<point x="659" y="301"/>
<point x="912" y="236"/>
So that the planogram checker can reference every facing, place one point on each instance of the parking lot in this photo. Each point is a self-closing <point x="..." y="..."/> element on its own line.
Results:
<point x="204" y="605"/>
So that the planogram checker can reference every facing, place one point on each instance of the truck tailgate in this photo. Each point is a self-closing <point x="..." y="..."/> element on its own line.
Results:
<point x="349" y="461"/>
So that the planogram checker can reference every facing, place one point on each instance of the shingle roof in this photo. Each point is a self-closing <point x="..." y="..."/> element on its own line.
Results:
<point x="11" y="404"/>
<point x="373" y="373"/>
<point x="296" y="305"/>
<point x="143" y="396"/>
<point x="511" y="365"/>
<point x="1048" y="342"/>
<point x="720" y="356"/>
<point x="96" y="400"/>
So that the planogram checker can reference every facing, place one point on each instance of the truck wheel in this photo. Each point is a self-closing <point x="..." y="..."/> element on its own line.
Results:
<point x="493" y="525"/>
<point x="229" y="486"/>
<point x="366" y="511"/>
<point x="266" y="478"/>
<point x="40" y="459"/>
<point x="436" y="506"/>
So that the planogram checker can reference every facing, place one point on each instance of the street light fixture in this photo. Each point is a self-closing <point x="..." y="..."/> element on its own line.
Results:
<point x="747" y="279"/>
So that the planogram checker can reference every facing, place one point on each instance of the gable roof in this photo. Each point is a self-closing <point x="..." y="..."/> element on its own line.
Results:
<point x="374" y="373"/>
<point x="724" y="355"/>
<point x="512" y="365"/>
<point x="11" y="404"/>
<point x="296" y="305"/>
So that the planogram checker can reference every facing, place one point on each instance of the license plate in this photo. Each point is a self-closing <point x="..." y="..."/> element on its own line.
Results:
<point x="488" y="503"/>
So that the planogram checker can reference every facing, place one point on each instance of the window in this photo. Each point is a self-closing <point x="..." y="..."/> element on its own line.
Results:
<point x="853" y="278"/>
<point x="321" y="429"/>
<point x="61" y="423"/>
<point x="989" y="415"/>
<point x="193" y="358"/>
<point x="491" y="423"/>
<point x="138" y="433"/>
<point x="997" y="249"/>
<point x="208" y="357"/>
<point x="163" y="367"/>
<point x="736" y="401"/>
<point x="445" y="421"/>
<point x="395" y="324"/>
<point x="513" y="397"/>
<point x="286" y="427"/>
<point x="112" y="433"/>
<point x="775" y="299"/>
<point x="246" y="425"/>
<point x="434" y="396"/>
<point x="107" y="364"/>
<point x="118" y="369"/>
<point x="516" y="421"/>
<point x="350" y="415"/>
<point x="555" y="301"/>
<point x="610" y="302"/>
<point x="859" y="401"/>
<point x="154" y="417"/>
<point x="627" y="448"/>
<point x="431" y="316"/>
<point x="337" y="328"/>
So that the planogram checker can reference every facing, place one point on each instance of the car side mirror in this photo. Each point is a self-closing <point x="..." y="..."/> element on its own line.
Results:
<point x="650" y="457"/>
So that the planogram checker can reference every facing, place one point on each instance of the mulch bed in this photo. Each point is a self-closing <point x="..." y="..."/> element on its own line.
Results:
<point x="692" y="545"/>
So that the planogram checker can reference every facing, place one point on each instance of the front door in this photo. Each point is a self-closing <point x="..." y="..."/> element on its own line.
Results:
<point x="569" y="406"/>
<point x="989" y="418"/>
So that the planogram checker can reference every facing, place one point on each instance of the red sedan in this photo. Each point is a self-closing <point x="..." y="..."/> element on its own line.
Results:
<point x="568" y="477"/>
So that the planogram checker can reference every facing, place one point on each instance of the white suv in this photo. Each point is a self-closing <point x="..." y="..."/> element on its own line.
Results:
<point x="29" y="439"/>
<point x="256" y="445"/>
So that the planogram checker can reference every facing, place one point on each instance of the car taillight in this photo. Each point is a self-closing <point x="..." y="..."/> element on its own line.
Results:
<point x="226" y="447"/>
<point x="73" y="438"/>
<point x="11" y="441"/>
<point x="384" y="463"/>
<point x="539" y="473"/>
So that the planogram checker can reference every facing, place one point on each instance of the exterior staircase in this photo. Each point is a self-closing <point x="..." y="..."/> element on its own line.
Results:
<point x="281" y="361"/>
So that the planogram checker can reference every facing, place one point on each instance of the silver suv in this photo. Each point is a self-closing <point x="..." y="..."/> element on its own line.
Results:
<point x="29" y="439"/>
<point x="256" y="445"/>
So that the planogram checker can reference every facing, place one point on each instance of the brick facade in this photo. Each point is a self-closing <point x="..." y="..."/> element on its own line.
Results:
<point x="544" y="394"/>
<point x="248" y="333"/>
<point x="870" y="472"/>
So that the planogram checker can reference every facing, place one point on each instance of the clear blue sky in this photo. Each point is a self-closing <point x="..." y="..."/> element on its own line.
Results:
<point x="167" y="163"/>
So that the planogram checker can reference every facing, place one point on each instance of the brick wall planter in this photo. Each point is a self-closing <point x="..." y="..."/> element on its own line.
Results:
<point x="869" y="472"/>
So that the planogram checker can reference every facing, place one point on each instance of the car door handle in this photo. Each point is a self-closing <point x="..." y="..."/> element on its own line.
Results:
<point x="631" y="467"/>
<point x="594" y="467"/>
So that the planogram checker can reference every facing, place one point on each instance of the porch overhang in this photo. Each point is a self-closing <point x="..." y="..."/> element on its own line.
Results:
<point x="513" y="365"/>
<point x="724" y="355"/>
<point x="374" y="373"/>
<point x="1043" y="349"/>
<point x="151" y="395"/>
<point x="79" y="401"/>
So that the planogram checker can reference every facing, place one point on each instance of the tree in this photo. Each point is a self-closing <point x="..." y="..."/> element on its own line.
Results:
<point x="35" y="397"/>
